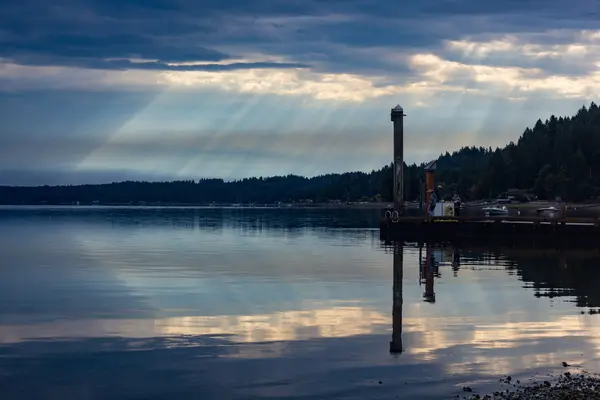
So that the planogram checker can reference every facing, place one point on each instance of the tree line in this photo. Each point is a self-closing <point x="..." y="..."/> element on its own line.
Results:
<point x="559" y="157"/>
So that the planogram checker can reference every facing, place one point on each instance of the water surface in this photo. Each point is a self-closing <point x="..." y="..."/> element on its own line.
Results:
<point x="131" y="303"/>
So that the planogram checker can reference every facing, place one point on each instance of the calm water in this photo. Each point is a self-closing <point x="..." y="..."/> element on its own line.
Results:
<point x="232" y="304"/>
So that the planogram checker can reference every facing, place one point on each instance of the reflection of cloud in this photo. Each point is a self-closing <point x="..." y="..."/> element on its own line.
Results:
<point x="429" y="335"/>
<point x="503" y="364"/>
<point x="279" y="326"/>
<point x="435" y="334"/>
<point x="286" y="325"/>
<point x="328" y="322"/>
<point x="507" y="335"/>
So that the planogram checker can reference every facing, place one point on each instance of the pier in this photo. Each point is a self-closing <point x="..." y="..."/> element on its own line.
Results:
<point x="509" y="231"/>
<point x="446" y="224"/>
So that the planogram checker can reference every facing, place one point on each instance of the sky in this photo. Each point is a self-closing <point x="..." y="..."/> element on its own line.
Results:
<point x="96" y="91"/>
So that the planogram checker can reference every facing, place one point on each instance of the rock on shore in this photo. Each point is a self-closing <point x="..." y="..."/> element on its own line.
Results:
<point x="569" y="386"/>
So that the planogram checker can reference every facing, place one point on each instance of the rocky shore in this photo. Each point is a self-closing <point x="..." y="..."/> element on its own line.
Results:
<point x="569" y="386"/>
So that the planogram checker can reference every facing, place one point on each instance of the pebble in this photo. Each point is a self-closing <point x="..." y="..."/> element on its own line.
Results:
<point x="566" y="387"/>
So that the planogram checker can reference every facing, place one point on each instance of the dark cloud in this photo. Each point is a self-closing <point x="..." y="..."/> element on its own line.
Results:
<point x="126" y="45"/>
<point x="93" y="33"/>
<point x="124" y="64"/>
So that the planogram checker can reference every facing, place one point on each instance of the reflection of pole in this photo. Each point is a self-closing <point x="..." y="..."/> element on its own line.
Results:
<point x="428" y="270"/>
<point x="420" y="263"/>
<point x="396" y="343"/>
<point x="456" y="261"/>
<point x="562" y="258"/>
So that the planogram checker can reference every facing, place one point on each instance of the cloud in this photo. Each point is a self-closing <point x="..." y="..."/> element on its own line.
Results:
<point x="579" y="56"/>
<point x="375" y="42"/>
<point x="287" y="81"/>
<point x="509" y="81"/>
<point x="125" y="64"/>
<point x="97" y="136"/>
<point x="233" y="79"/>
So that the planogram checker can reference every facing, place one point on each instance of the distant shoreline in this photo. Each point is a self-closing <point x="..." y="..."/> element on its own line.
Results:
<point x="411" y="206"/>
<point x="374" y="206"/>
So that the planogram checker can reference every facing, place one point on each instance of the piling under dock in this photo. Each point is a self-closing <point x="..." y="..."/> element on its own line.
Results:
<point x="531" y="230"/>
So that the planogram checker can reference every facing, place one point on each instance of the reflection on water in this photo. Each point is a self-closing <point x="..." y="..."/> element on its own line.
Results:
<point x="283" y="325"/>
<point x="188" y="303"/>
<point x="398" y="268"/>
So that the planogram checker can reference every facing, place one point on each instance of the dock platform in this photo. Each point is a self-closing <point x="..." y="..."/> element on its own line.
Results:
<point x="493" y="229"/>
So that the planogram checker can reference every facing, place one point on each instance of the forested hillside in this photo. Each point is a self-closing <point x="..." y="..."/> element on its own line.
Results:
<point x="558" y="157"/>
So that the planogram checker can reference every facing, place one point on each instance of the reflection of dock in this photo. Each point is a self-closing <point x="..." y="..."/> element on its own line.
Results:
<point x="549" y="271"/>
<point x="570" y="274"/>
<point x="428" y="269"/>
<point x="492" y="231"/>
<point x="429" y="264"/>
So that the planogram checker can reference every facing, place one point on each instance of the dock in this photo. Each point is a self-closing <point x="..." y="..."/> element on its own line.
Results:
<point x="441" y="222"/>
<point x="512" y="231"/>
